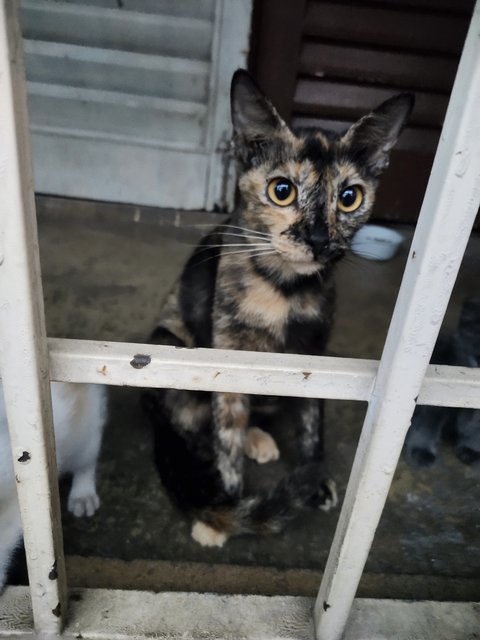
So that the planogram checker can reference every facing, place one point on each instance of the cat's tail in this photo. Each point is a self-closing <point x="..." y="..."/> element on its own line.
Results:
<point x="307" y="484"/>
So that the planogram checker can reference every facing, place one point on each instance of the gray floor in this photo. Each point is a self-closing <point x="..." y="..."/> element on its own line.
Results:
<point x="106" y="271"/>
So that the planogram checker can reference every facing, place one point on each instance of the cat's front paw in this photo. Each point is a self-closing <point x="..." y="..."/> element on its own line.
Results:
<point x="208" y="536"/>
<point x="83" y="505"/>
<point x="466" y="454"/>
<point x="260" y="446"/>
<point x="326" y="498"/>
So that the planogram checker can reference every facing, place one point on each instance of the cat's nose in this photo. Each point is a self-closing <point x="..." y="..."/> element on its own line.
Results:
<point x="319" y="241"/>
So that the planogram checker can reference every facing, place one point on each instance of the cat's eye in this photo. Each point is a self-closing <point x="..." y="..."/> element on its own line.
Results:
<point x="281" y="192"/>
<point x="350" y="199"/>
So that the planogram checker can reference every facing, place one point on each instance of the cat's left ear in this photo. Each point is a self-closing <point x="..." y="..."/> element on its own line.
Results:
<point x="371" y="138"/>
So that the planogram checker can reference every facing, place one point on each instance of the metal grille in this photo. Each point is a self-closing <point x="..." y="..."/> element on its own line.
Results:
<point x="391" y="386"/>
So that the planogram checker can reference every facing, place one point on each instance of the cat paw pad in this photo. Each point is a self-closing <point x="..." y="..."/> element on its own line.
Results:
<point x="83" y="505"/>
<point x="260" y="446"/>
<point x="208" y="536"/>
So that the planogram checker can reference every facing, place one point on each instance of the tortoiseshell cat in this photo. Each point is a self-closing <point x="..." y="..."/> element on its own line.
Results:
<point x="264" y="283"/>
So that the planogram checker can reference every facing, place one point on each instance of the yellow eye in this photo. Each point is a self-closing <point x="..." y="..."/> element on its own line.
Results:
<point x="350" y="199"/>
<point x="281" y="192"/>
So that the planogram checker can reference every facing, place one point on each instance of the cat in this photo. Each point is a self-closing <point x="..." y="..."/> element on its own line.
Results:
<point x="460" y="426"/>
<point x="263" y="282"/>
<point x="79" y="413"/>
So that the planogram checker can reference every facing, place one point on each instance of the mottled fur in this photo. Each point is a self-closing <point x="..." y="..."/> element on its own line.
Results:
<point x="263" y="282"/>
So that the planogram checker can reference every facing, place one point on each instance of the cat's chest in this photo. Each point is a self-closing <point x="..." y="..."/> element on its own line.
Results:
<point x="262" y="304"/>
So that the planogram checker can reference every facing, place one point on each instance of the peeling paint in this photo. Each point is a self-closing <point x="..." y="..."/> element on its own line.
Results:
<point x="58" y="610"/>
<point x="140" y="361"/>
<point x="53" y="575"/>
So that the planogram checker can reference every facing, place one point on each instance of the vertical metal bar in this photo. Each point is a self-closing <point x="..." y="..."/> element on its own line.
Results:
<point x="23" y="353"/>
<point x="448" y="212"/>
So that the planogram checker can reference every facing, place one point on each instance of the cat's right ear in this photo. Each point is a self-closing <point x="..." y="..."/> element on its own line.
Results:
<point x="254" y="117"/>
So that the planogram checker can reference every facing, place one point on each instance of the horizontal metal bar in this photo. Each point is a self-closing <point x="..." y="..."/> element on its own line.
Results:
<point x="445" y="386"/>
<point x="146" y="365"/>
<point x="119" y="615"/>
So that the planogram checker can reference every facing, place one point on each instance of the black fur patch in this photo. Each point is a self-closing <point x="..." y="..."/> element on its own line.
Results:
<point x="291" y="286"/>
<point x="307" y="337"/>
<point x="161" y="335"/>
<point x="198" y="288"/>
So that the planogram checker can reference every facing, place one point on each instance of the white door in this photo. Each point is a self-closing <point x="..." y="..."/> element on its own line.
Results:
<point x="129" y="99"/>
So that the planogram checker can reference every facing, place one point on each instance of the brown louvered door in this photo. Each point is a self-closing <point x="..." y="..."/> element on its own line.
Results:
<point x="327" y="63"/>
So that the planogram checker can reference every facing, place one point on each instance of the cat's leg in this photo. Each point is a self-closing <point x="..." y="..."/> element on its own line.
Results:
<point x="83" y="499"/>
<point x="310" y="428"/>
<point x="259" y="444"/>
<point x="230" y="419"/>
<point x="467" y="436"/>
<point x="10" y="534"/>
<point x="424" y="435"/>
<point x="309" y="413"/>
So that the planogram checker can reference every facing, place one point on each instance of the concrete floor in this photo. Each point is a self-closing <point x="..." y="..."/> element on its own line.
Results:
<point x="106" y="271"/>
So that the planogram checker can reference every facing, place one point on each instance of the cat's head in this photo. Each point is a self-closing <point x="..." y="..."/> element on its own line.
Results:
<point x="309" y="191"/>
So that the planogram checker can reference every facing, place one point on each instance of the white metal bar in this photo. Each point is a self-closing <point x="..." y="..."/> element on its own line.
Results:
<point x="445" y="386"/>
<point x="23" y="353"/>
<point x="246" y="372"/>
<point x="106" y="614"/>
<point x="448" y="212"/>
<point x="146" y="365"/>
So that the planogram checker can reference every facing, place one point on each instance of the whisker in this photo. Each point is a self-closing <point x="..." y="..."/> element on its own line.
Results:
<point x="360" y="266"/>
<point x="246" y="245"/>
<point x="246" y="251"/>
<point x="230" y="226"/>
<point x="367" y="255"/>
<point x="255" y="231"/>
<point x="240" y="244"/>
<point x="259" y="251"/>
<point x="225" y="234"/>
<point x="244" y="235"/>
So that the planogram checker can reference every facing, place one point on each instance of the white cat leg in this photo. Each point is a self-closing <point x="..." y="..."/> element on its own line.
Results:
<point x="11" y="533"/>
<point x="83" y="499"/>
